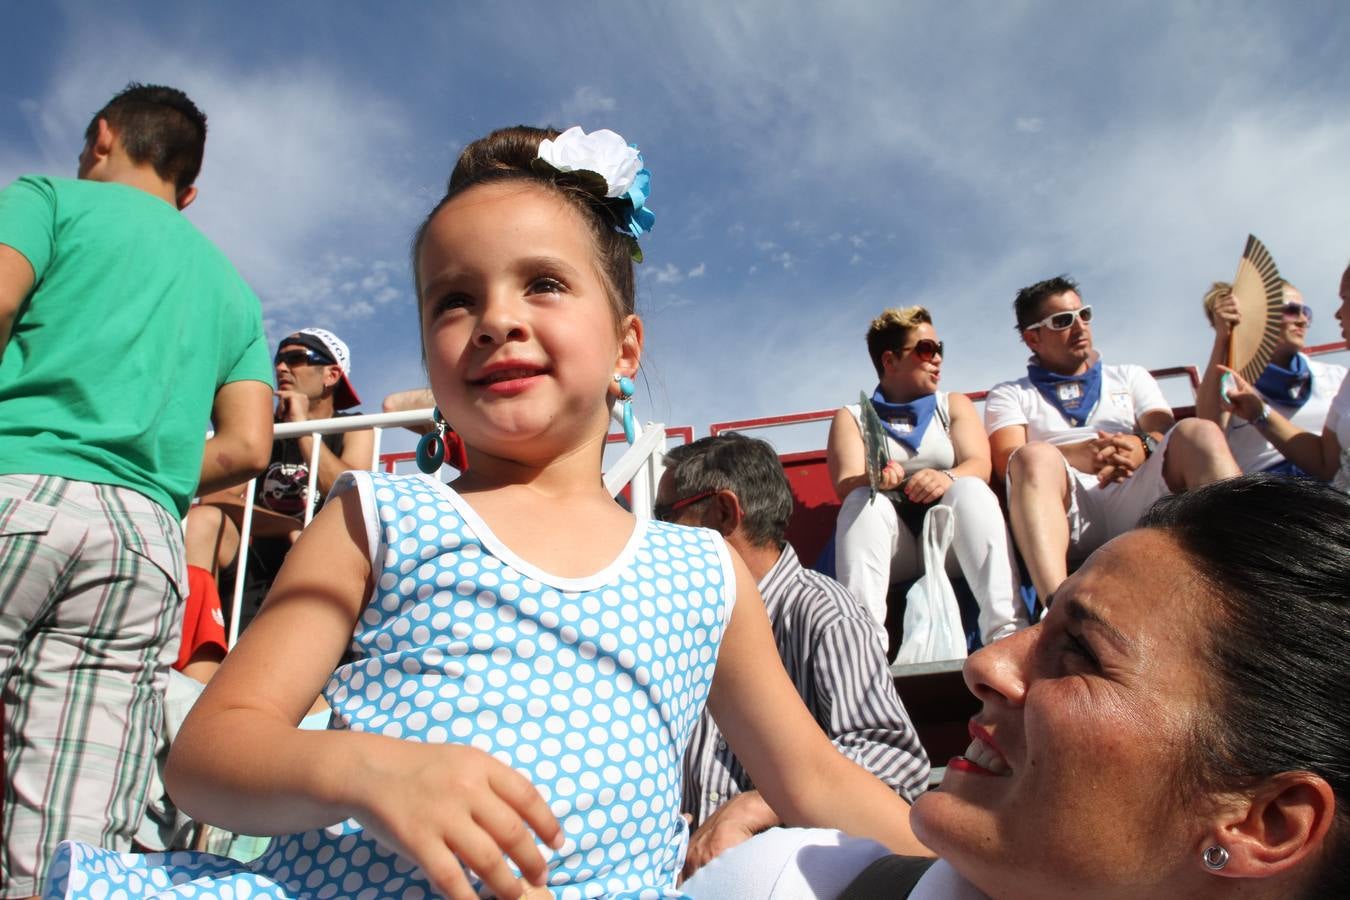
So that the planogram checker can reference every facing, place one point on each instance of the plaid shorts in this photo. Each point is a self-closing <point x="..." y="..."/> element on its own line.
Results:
<point x="90" y="581"/>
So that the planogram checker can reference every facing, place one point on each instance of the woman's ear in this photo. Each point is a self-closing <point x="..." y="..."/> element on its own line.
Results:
<point x="1278" y="826"/>
<point x="630" y="346"/>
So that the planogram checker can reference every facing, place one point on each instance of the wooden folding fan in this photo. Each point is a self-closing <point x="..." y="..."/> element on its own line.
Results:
<point x="1260" y="298"/>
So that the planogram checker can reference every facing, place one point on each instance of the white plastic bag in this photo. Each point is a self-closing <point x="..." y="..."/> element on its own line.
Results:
<point x="933" y="629"/>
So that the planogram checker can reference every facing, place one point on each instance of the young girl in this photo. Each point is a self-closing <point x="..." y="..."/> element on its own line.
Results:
<point x="519" y="661"/>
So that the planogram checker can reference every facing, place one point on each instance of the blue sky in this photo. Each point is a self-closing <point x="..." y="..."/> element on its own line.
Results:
<point x="811" y="164"/>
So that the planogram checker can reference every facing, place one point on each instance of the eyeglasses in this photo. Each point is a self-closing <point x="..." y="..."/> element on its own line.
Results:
<point x="1061" y="320"/>
<point x="1293" y="310"/>
<point x="665" y="512"/>
<point x="926" y="349"/>
<point x="294" y="358"/>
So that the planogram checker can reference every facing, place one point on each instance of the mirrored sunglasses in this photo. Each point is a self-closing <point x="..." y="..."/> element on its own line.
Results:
<point x="293" y="358"/>
<point x="665" y="512"/>
<point x="1062" y="320"/>
<point x="1293" y="310"/>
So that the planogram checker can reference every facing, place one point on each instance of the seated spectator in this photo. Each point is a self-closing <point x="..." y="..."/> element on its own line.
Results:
<point x="736" y="486"/>
<point x="939" y="455"/>
<point x="1297" y="387"/>
<point x="1175" y="727"/>
<point x="1324" y="455"/>
<point x="313" y="368"/>
<point x="1085" y="447"/>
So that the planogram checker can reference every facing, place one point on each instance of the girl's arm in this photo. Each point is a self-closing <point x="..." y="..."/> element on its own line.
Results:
<point x="846" y="458"/>
<point x="240" y="762"/>
<point x="793" y="765"/>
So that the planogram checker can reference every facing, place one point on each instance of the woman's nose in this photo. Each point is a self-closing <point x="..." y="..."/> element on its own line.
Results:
<point x="1000" y="672"/>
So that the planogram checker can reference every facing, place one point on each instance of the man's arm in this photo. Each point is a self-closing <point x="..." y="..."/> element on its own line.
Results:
<point x="242" y="444"/>
<point x="858" y="708"/>
<point x="357" y="447"/>
<point x="417" y="398"/>
<point x="16" y="282"/>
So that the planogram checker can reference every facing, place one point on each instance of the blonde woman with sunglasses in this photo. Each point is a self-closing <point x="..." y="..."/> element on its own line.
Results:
<point x="939" y="455"/>
<point x="1298" y="388"/>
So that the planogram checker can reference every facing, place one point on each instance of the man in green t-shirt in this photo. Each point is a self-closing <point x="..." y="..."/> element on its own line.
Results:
<point x="123" y="334"/>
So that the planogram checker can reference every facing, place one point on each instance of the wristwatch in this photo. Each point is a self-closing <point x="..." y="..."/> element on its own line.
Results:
<point x="1149" y="441"/>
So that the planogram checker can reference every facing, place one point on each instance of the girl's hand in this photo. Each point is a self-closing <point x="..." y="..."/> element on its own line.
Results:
<point x="927" y="485"/>
<point x="891" y="476"/>
<point x="1241" y="398"/>
<point x="449" y="806"/>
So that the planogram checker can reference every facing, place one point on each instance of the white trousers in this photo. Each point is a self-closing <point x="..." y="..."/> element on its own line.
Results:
<point x="873" y="549"/>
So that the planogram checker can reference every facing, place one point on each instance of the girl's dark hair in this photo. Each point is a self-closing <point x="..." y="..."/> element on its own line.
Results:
<point x="507" y="154"/>
<point x="1275" y="553"/>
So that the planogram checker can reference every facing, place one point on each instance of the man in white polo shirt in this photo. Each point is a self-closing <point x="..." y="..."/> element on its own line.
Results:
<point x="1085" y="448"/>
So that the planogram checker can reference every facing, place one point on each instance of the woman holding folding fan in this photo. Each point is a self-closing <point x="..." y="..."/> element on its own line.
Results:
<point x="939" y="454"/>
<point x="1298" y="388"/>
<point x="1321" y="452"/>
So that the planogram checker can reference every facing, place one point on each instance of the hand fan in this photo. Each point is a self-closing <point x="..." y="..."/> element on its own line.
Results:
<point x="1260" y="297"/>
<point x="874" y="443"/>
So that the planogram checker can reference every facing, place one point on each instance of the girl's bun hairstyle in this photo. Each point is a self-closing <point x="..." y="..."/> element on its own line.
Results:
<point x="508" y="154"/>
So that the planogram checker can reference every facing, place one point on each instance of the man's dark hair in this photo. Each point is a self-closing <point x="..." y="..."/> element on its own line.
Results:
<point x="1275" y="553"/>
<point x="158" y="126"/>
<point x="747" y="467"/>
<point x="1028" y="302"/>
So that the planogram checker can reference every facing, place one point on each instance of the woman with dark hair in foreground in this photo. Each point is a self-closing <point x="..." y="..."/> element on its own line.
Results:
<point x="1176" y="726"/>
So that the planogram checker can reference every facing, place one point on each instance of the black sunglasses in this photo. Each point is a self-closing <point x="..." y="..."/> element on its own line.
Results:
<point x="293" y="358"/>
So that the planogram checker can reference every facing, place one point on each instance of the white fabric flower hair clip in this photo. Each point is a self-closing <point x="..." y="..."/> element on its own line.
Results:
<point x="606" y="166"/>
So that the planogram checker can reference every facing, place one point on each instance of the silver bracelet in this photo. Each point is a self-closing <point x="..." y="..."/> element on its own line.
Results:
<point x="948" y="473"/>
<point x="1263" y="419"/>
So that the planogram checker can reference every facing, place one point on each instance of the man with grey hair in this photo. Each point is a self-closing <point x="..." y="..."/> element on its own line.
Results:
<point x="828" y="644"/>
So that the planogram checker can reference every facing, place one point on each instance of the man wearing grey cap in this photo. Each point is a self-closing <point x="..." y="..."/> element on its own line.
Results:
<point x="312" y="368"/>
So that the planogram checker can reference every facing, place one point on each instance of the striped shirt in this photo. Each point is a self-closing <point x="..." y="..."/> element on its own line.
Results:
<point x="834" y="657"/>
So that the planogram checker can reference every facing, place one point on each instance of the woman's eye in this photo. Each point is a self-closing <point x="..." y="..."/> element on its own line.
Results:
<point x="1076" y="646"/>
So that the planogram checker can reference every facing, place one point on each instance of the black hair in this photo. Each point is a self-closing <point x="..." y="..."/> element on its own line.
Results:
<point x="158" y="126"/>
<point x="747" y="467"/>
<point x="1027" y="304"/>
<point x="1275" y="553"/>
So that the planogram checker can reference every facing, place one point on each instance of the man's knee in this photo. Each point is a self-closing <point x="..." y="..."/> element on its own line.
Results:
<point x="1036" y="463"/>
<point x="210" y="533"/>
<point x="1199" y="441"/>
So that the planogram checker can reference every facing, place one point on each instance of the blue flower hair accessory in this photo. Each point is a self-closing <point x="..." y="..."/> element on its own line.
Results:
<point x="603" y="164"/>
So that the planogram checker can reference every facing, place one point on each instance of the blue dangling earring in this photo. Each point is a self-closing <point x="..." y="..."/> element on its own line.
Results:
<point x="626" y="391"/>
<point x="431" y="448"/>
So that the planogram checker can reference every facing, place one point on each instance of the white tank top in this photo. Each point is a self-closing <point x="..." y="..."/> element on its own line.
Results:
<point x="935" y="450"/>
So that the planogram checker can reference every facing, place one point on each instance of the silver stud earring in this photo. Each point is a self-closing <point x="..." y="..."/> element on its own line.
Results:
<point x="1215" y="858"/>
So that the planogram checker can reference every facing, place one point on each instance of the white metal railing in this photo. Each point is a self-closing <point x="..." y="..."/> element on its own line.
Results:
<point x="640" y="466"/>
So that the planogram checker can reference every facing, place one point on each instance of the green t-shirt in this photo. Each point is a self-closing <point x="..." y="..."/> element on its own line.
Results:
<point x="134" y="321"/>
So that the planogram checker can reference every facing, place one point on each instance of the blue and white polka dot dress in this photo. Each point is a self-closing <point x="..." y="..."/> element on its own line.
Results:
<point x="589" y="687"/>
